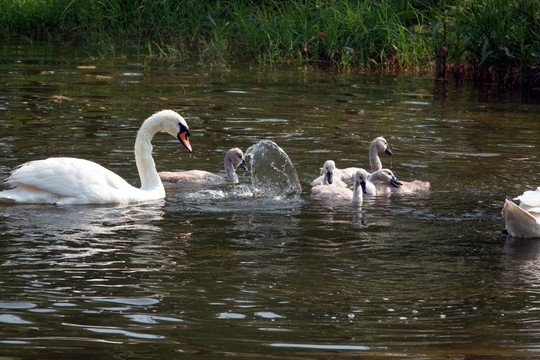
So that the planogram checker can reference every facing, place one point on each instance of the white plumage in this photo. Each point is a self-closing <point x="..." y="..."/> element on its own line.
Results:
<point x="63" y="180"/>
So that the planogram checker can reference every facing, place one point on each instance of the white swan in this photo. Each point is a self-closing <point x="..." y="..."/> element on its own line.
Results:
<point x="189" y="178"/>
<point x="77" y="181"/>
<point x="333" y="193"/>
<point x="330" y="175"/>
<point x="378" y="144"/>
<point x="523" y="221"/>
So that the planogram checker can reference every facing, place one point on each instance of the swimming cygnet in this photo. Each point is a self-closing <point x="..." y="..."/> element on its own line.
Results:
<point x="330" y="175"/>
<point x="410" y="187"/>
<point x="193" y="178"/>
<point x="333" y="193"/>
<point x="386" y="183"/>
<point x="381" y="182"/>
<point x="378" y="144"/>
<point x="523" y="221"/>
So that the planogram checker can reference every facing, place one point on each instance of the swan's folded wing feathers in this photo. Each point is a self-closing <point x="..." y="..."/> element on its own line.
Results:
<point x="67" y="177"/>
<point x="347" y="174"/>
<point x="529" y="199"/>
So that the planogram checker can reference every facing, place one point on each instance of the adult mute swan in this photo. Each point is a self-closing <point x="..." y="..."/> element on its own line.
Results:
<point x="333" y="193"/>
<point x="523" y="221"/>
<point x="330" y="175"/>
<point x="66" y="180"/>
<point x="189" y="178"/>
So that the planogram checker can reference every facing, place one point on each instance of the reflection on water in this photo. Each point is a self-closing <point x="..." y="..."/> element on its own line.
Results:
<point x="84" y="220"/>
<point x="425" y="276"/>
<point x="522" y="258"/>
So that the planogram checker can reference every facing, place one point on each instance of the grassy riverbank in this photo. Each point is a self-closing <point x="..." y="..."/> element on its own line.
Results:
<point x="497" y="39"/>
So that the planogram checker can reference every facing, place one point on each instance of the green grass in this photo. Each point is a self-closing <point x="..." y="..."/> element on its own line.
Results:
<point x="499" y="38"/>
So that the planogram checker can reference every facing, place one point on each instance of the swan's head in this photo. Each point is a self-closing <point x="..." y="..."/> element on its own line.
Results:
<point x="328" y="171"/>
<point x="361" y="178"/>
<point x="385" y="176"/>
<point x="236" y="156"/>
<point x="175" y="125"/>
<point x="382" y="145"/>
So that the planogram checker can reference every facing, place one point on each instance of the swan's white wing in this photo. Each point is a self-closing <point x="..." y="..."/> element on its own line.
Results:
<point x="347" y="174"/>
<point x="67" y="177"/>
<point x="530" y="200"/>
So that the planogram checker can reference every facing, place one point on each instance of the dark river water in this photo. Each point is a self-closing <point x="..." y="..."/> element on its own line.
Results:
<point x="199" y="275"/>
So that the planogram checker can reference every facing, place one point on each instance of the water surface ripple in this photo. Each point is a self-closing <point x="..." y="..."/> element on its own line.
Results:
<point x="217" y="274"/>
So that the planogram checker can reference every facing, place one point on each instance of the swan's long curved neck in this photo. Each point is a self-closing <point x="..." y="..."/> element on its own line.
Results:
<point x="229" y="169"/>
<point x="143" y="154"/>
<point x="374" y="160"/>
<point x="357" y="193"/>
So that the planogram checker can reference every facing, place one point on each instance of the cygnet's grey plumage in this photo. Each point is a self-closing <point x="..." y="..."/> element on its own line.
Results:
<point x="339" y="194"/>
<point x="194" y="178"/>
<point x="384" y="183"/>
<point x="378" y="144"/>
<point x="330" y="175"/>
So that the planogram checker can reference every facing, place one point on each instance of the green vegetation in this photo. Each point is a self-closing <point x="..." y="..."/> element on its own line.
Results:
<point x="498" y="39"/>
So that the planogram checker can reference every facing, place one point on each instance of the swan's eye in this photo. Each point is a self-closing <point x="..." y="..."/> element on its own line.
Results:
<point x="184" y="128"/>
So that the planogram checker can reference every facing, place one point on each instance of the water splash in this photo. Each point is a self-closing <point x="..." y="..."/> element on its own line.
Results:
<point x="274" y="185"/>
<point x="272" y="172"/>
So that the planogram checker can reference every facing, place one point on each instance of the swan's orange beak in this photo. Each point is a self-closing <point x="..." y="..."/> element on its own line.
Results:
<point x="184" y="139"/>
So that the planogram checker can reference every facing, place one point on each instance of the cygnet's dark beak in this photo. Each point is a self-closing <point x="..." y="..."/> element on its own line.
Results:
<point x="363" y="185"/>
<point x="395" y="182"/>
<point x="329" y="177"/>
<point x="388" y="151"/>
<point x="243" y="165"/>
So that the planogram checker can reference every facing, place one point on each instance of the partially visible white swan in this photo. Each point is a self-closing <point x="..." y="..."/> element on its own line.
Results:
<point x="189" y="178"/>
<point x="378" y="144"/>
<point x="523" y="221"/>
<point x="333" y="193"/>
<point x="66" y="180"/>
<point x="330" y="175"/>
